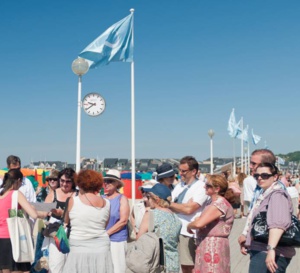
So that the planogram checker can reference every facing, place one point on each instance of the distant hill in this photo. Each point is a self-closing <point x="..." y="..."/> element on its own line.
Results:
<point x="294" y="156"/>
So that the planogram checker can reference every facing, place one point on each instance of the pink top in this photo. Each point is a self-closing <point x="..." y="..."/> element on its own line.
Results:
<point x="5" y="205"/>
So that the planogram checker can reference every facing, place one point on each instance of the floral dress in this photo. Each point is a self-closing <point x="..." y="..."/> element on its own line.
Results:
<point x="212" y="254"/>
<point x="169" y="229"/>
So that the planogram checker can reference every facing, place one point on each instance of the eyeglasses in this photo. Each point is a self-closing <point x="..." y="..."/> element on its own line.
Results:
<point x="108" y="181"/>
<point x="52" y="179"/>
<point x="65" y="181"/>
<point x="183" y="171"/>
<point x="262" y="175"/>
<point x="207" y="185"/>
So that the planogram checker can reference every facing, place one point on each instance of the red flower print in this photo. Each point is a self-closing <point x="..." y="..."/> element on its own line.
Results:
<point x="216" y="258"/>
<point x="207" y="257"/>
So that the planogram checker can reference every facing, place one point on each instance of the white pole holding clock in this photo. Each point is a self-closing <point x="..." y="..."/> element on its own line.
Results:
<point x="80" y="67"/>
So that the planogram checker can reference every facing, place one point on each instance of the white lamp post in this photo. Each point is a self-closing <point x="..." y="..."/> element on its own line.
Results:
<point x="211" y="133"/>
<point x="80" y="67"/>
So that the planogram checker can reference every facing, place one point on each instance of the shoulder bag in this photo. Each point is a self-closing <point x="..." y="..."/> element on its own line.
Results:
<point x="19" y="233"/>
<point x="148" y="250"/>
<point x="260" y="231"/>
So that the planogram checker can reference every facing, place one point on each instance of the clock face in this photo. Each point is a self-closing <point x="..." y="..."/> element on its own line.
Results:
<point x="93" y="104"/>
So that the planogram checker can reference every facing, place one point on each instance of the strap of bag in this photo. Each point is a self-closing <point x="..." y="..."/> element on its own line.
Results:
<point x="151" y="223"/>
<point x="14" y="201"/>
<point x="65" y="210"/>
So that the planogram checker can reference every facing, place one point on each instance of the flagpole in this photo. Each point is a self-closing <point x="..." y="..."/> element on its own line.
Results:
<point x="242" y="145"/>
<point x="248" y="156"/>
<point x="234" y="164"/>
<point x="132" y="122"/>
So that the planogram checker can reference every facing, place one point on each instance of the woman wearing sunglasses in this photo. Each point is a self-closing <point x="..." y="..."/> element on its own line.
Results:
<point x="119" y="213"/>
<point x="53" y="184"/>
<point x="273" y="199"/>
<point x="163" y="221"/>
<point x="214" y="226"/>
<point x="66" y="189"/>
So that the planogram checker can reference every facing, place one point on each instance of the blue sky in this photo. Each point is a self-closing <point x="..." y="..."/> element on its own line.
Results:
<point x="194" y="61"/>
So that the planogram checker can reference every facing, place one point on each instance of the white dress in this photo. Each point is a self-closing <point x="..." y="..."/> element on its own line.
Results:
<point x="89" y="242"/>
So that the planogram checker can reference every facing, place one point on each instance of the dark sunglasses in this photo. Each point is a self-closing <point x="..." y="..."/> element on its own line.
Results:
<point x="65" y="181"/>
<point x="108" y="181"/>
<point x="263" y="175"/>
<point x="51" y="179"/>
<point x="207" y="185"/>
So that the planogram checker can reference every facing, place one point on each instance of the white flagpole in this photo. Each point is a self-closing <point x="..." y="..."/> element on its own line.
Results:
<point x="234" y="164"/>
<point x="248" y="156"/>
<point x="132" y="123"/>
<point x="242" y="146"/>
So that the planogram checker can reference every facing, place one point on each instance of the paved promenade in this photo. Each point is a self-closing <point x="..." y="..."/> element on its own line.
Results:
<point x="240" y="263"/>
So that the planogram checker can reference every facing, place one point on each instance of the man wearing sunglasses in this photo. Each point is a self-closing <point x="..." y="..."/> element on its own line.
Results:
<point x="188" y="198"/>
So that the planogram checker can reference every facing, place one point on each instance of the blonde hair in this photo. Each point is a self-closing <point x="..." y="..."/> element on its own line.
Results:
<point x="161" y="202"/>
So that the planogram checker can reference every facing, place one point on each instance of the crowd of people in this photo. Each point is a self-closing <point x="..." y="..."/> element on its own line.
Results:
<point x="192" y="213"/>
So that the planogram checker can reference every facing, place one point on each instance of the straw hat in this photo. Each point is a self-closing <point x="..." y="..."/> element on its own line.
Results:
<point x="115" y="176"/>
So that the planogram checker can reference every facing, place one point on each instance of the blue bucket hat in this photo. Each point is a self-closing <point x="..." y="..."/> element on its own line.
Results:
<point x="160" y="190"/>
<point x="165" y="170"/>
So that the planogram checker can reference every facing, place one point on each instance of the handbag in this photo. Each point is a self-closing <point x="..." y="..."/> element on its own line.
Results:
<point x="61" y="240"/>
<point x="260" y="231"/>
<point x="51" y="229"/>
<point x="148" y="250"/>
<point x="19" y="233"/>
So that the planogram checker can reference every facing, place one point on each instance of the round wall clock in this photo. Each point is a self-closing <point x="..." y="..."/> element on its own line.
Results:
<point x="93" y="104"/>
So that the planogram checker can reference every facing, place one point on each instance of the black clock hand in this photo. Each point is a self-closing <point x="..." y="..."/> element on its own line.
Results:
<point x="92" y="104"/>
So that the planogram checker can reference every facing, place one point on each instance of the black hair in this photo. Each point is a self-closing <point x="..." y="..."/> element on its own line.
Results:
<point x="68" y="173"/>
<point x="272" y="167"/>
<point x="10" y="178"/>
<point x="12" y="159"/>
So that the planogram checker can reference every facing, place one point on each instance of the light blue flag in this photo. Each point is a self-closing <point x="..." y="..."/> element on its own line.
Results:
<point x="114" y="45"/>
<point x="266" y="146"/>
<point x="233" y="127"/>
<point x="255" y="138"/>
<point x="280" y="160"/>
<point x="243" y="135"/>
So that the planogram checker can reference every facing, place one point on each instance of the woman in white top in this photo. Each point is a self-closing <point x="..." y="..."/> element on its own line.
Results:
<point x="88" y="214"/>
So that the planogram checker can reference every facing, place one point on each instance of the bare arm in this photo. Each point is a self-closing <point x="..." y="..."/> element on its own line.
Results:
<point x="50" y="197"/>
<point x="274" y="237"/>
<point x="144" y="225"/>
<point x="70" y="206"/>
<point x="124" y="215"/>
<point x="187" y="208"/>
<point x="26" y="206"/>
<point x="210" y="214"/>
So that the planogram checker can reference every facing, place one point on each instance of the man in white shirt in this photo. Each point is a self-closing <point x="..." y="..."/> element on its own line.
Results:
<point x="188" y="197"/>
<point x="249" y="186"/>
<point x="14" y="162"/>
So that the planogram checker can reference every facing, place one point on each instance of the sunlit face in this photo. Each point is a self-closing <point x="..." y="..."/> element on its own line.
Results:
<point x="209" y="188"/>
<point x="168" y="180"/>
<point x="151" y="201"/>
<point x="186" y="174"/>
<point x="53" y="183"/>
<point x="145" y="199"/>
<point x="65" y="184"/>
<point x="110" y="186"/>
<point x="264" y="177"/>
<point x="254" y="162"/>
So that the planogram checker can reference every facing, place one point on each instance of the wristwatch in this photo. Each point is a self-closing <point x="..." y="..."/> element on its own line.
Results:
<point x="269" y="247"/>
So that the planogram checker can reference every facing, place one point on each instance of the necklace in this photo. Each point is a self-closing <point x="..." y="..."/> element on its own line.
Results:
<point x="91" y="203"/>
